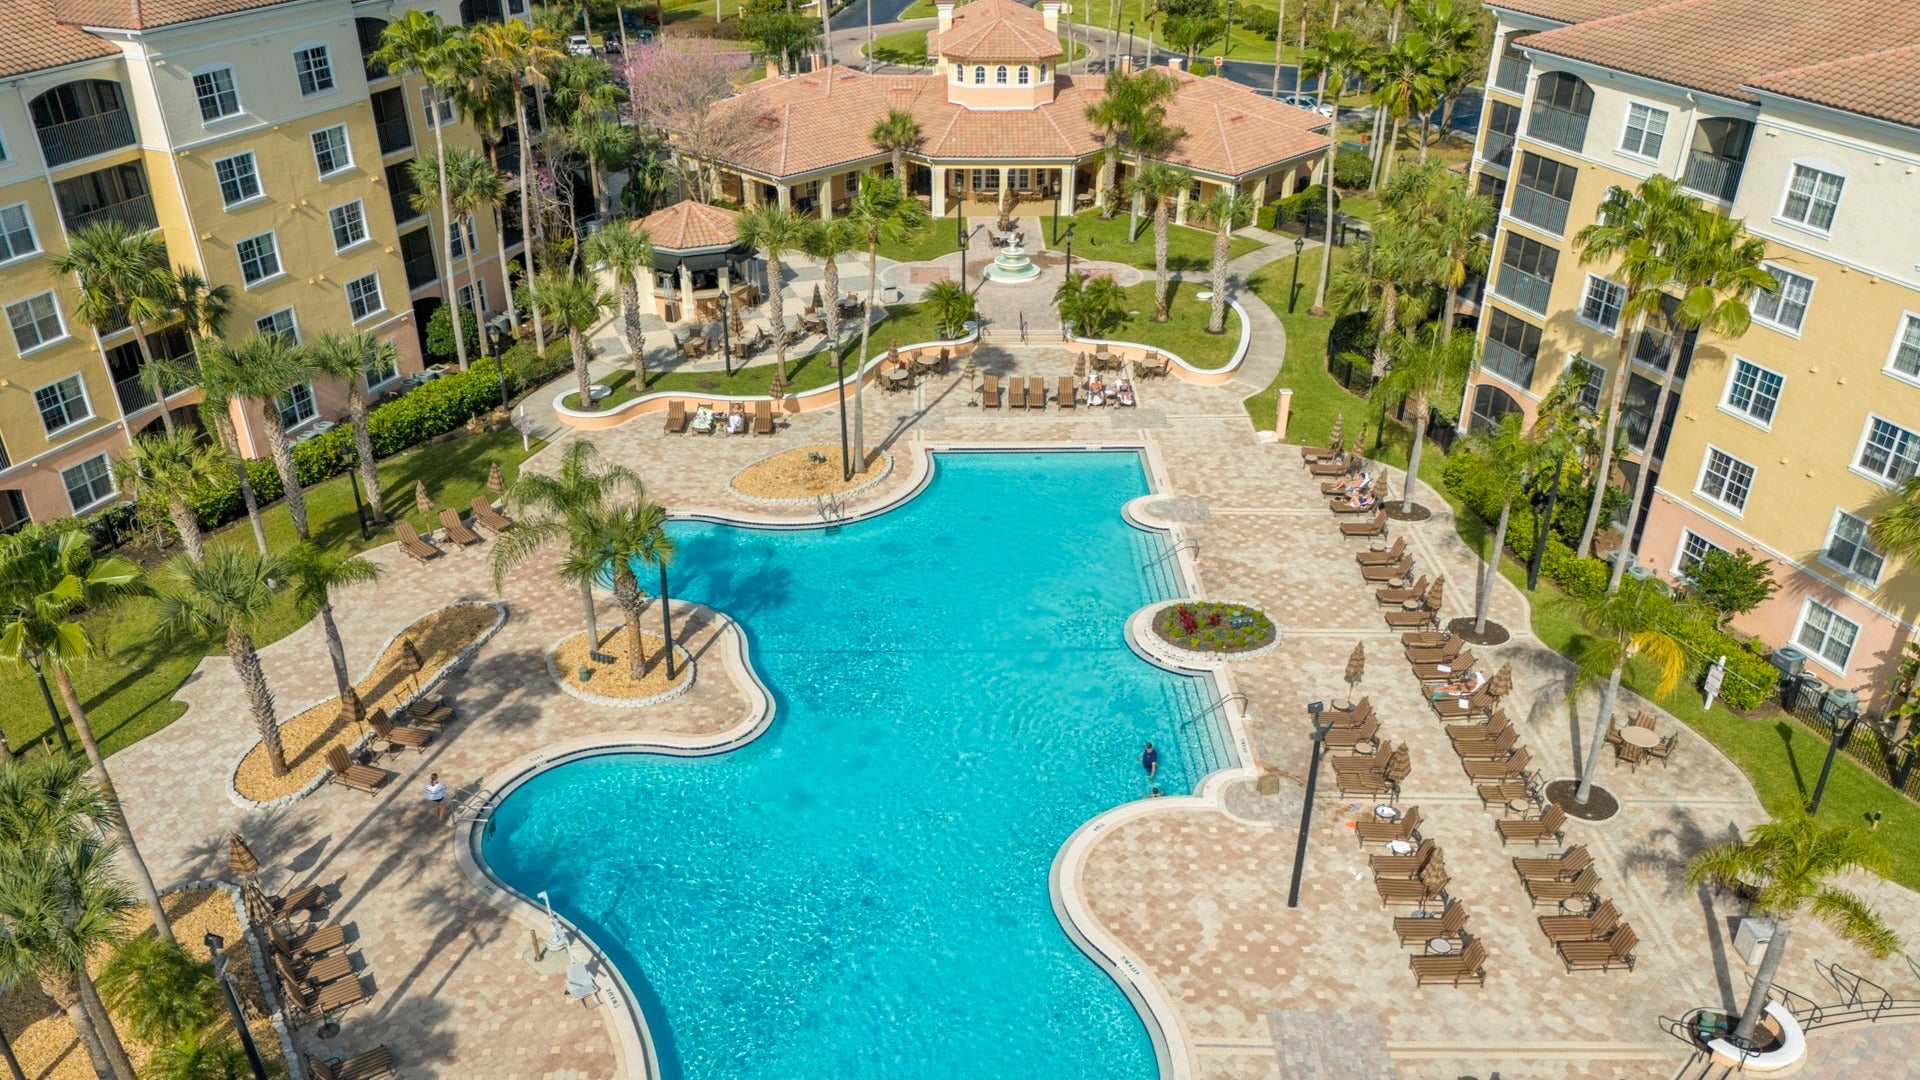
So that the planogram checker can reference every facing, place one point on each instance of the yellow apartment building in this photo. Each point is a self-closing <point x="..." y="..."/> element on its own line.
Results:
<point x="270" y="154"/>
<point x="1803" y="121"/>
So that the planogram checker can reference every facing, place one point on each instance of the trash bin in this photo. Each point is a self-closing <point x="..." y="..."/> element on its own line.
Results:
<point x="1751" y="937"/>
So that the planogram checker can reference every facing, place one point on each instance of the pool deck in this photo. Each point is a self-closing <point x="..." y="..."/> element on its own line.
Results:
<point x="1193" y="894"/>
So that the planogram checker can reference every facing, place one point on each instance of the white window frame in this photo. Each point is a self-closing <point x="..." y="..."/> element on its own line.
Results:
<point x="333" y="77"/>
<point x="279" y="264"/>
<point x="1626" y="126"/>
<point x="1599" y="385"/>
<point x="1681" y="555"/>
<point x="1860" y="447"/>
<point x="1023" y="76"/>
<point x="979" y="75"/>
<point x="1786" y="194"/>
<point x="313" y="403"/>
<point x="1706" y="464"/>
<point x="464" y="238"/>
<point x="449" y="112"/>
<point x="1002" y="75"/>
<point x="378" y="294"/>
<point x="1818" y="657"/>
<point x="33" y="235"/>
<point x="1726" y="393"/>
<point x="86" y="404"/>
<point x="386" y="378"/>
<point x="1586" y="291"/>
<point x="1780" y="294"/>
<point x="346" y="147"/>
<point x="78" y="465"/>
<point x="233" y="84"/>
<point x="1865" y="543"/>
<point x="59" y="318"/>
<point x="359" y="207"/>
<point x="461" y="295"/>
<point x="293" y="322"/>
<point x="259" y="189"/>
<point x="1908" y="319"/>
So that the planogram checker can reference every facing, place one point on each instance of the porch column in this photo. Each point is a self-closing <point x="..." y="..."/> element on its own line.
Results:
<point x="826" y="198"/>
<point x="1006" y="189"/>
<point x="749" y="192"/>
<point x="687" y="313"/>
<point x="1068" y="174"/>
<point x="1100" y="184"/>
<point x="786" y="197"/>
<point x="1260" y="190"/>
<point x="939" y="190"/>
<point x="1180" y="205"/>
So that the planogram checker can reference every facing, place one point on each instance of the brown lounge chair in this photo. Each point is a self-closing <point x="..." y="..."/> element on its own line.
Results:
<point x="1393" y="571"/>
<point x="1420" y="929"/>
<point x="1383" y="558"/>
<point x="457" y="531"/>
<point x="990" y="393"/>
<point x="1615" y="951"/>
<point x="412" y="738"/>
<point x="1595" y="925"/>
<point x="486" y="517"/>
<point x="1410" y="620"/>
<point x="676" y="417"/>
<point x="1505" y="768"/>
<point x="1426" y="639"/>
<point x="359" y="777"/>
<point x="1063" y="392"/>
<point x="319" y="1001"/>
<point x="1342" y="506"/>
<point x="1420" y="891"/>
<point x="1373" y="830"/>
<point x="1312" y="454"/>
<point x="1351" y="715"/>
<point x="1472" y="733"/>
<point x="1351" y="735"/>
<point x="316" y="942"/>
<point x="1376" y="526"/>
<point x="315" y="972"/>
<point x="1469" y="965"/>
<point x="305" y="898"/>
<point x="1482" y="703"/>
<point x="1506" y="791"/>
<point x="430" y="711"/>
<point x="1442" y="671"/>
<point x="1401" y="595"/>
<point x="1016" y="392"/>
<point x="1412" y="864"/>
<point x="1561" y="867"/>
<point x="1555" y="892"/>
<point x="1492" y="749"/>
<point x="763" y="418"/>
<point x="1334" y="466"/>
<point x="1036" y="393"/>
<point x="412" y="544"/>
<point x="1443" y="653"/>
<point x="1546" y="828"/>
<point x="374" y="1064"/>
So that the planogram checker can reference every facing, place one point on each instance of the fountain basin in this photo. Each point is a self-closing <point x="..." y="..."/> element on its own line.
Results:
<point x="1011" y="266"/>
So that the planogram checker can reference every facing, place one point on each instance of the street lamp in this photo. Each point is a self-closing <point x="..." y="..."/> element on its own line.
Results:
<point x="1293" y="290"/>
<point x="215" y="943"/>
<point x="1840" y="738"/>
<point x="726" y="329"/>
<point x="1069" y="250"/>
<point x="1321" y="725"/>
<point x="1129" y="39"/>
<point x="497" y="337"/>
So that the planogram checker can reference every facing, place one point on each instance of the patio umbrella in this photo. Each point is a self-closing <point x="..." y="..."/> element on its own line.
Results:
<point x="420" y="500"/>
<point x="240" y="858"/>
<point x="411" y="653"/>
<point x="777" y="387"/>
<point x="496" y="483"/>
<point x="739" y="325"/>
<point x="816" y="297"/>
<point x="259" y="911"/>
<point x="1356" y="668"/>
<point x="1435" y="591"/>
<point x="1502" y="684"/>
<point x="1339" y="429"/>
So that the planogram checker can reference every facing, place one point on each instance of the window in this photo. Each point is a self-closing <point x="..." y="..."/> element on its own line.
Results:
<point x="1646" y="130"/>
<point x="1890" y="452"/>
<point x="216" y="94"/>
<point x="349" y="224"/>
<point x="16" y="232"/>
<point x="1825" y="634"/>
<point x="1512" y="346"/>
<point x="62" y="404"/>
<point x="1543" y="193"/>
<point x="259" y="258"/>
<point x="1561" y="104"/>
<point x="1526" y="272"/>
<point x="1753" y="391"/>
<point x="239" y="178"/>
<point x="363" y="296"/>
<point x="1785" y="307"/>
<point x="1693" y="549"/>
<point x="1594" y="383"/>
<point x="1848" y="549"/>
<point x="463" y="238"/>
<point x="439" y="109"/>
<point x="384" y="369"/>
<point x="89" y="483"/>
<point x="313" y="69"/>
<point x="986" y="179"/>
<point x="979" y="76"/>
<point x="296" y="405"/>
<point x="1026" y="75"/>
<point x="1812" y="197"/>
<point x="279" y="323"/>
<point x="330" y="150"/>
<point x="1000" y="75"/>
<point x="466" y="296"/>
<point x="35" y="322"/>
<point x="1726" y="480"/>
<point x="1601" y="305"/>
<point x="1906" y="347"/>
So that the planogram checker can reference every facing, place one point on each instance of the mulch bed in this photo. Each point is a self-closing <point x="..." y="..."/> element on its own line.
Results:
<point x="1414" y="513"/>
<point x="1210" y="627"/>
<point x="796" y="474"/>
<point x="615" y="680"/>
<point x="1601" y="804"/>
<point x="1495" y="634"/>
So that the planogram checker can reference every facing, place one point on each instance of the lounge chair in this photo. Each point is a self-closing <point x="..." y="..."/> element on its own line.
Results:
<point x="1490" y="749"/>
<point x="1410" y="620"/>
<point x="1395" y="571"/>
<point x="359" y="777"/>
<point x="1426" y="639"/>
<point x="1554" y="892"/>
<point x="1458" y="733"/>
<point x="1482" y="703"/>
<point x="397" y="735"/>
<point x="763" y="418"/>
<point x="1420" y="929"/>
<point x="1064" y="392"/>
<point x="1403" y="594"/>
<point x="1442" y="671"/>
<point x="412" y="544"/>
<point x="374" y="1064"/>
<point x="1333" y="466"/>
<point x="1615" y="951"/>
<point x="1567" y="864"/>
<point x="319" y="1001"/>
<point x="1016" y="392"/>
<point x="305" y="898"/>
<point x="676" y="417"/>
<point x="1375" y="830"/>
<point x="457" y="531"/>
<point x="1546" y="828"/>
<point x="430" y="711"/>
<point x="1420" y="891"/>
<point x="1311" y="454"/>
<point x="1376" y="526"/>
<point x="1344" y="507"/>
<point x="1595" y="925"/>
<point x="1506" y="791"/>
<point x="1383" y="558"/>
<point x="1350" y="715"/>
<point x="1505" y="768"/>
<point x="1442" y="653"/>
<point x="990" y="393"/>
<point x="318" y="971"/>
<point x="1469" y="965"/>
<point x="1365" y="763"/>
<point x="1349" y="736"/>
<point x="486" y="517"/>
<point x="316" y="942"/>
<point x="1404" y="866"/>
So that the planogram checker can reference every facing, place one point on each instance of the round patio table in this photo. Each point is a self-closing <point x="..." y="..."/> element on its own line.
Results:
<point x="1519" y="806"/>
<point x="1439" y="946"/>
<point x="1386" y="813"/>
<point x="1644" y="738"/>
<point x="1400" y="847"/>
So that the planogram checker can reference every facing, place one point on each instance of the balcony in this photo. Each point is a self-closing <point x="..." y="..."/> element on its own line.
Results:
<point x="394" y="135"/>
<point x="368" y="30"/>
<point x="1714" y="177"/>
<point x="133" y="396"/>
<point x="401" y="190"/>
<point x="1511" y="74"/>
<point x="85" y="137"/>
<point x="134" y="213"/>
<point x="1562" y="104"/>
<point x="1498" y="149"/>
<point x="416" y="253"/>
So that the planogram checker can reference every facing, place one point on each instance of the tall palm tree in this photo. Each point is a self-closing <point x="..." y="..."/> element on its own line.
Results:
<point x="611" y="537"/>
<point x="520" y="55"/>
<point x="827" y="241"/>
<point x="556" y="508"/>
<point x="1455" y="39"/>
<point x="776" y="232"/>
<point x="170" y="472"/>
<point x="314" y="573"/>
<point x="1160" y="184"/>
<point x="474" y="186"/>
<point x="49" y="580"/>
<point x="897" y="133"/>
<point x="604" y="141"/>
<point x="1403" y="86"/>
<point x="349" y="357"/>
<point x="1147" y="132"/>
<point x="1454" y="226"/>
<point x="1377" y="275"/>
<point x="1633" y="621"/>
<point x="880" y="210"/>
<point x="1500" y="464"/>
<point x="419" y="42"/>
<point x="1225" y="210"/>
<point x="1107" y="115"/>
<point x="221" y="382"/>
<point x="1425" y="365"/>
<point x="1895" y="527"/>
<point x="203" y="308"/>
<point x="124" y="281"/>
<point x="231" y="595"/>
<point x="267" y="364"/>
<point x="656" y="549"/>
<point x="624" y="248"/>
<point x="1339" y="55"/>
<point x="575" y="303"/>
<point x="486" y="98"/>
<point x="1790" y="864"/>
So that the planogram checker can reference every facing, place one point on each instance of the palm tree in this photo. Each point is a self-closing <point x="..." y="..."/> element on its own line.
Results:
<point x="1147" y="133"/>
<point x="520" y="55"/>
<point x="1632" y="621"/>
<point x="267" y="364"/>
<point x="575" y="302"/>
<point x="210" y="1053"/>
<point x="159" y="989"/>
<point x="1160" y="184"/>
<point x="348" y="357"/>
<point x="603" y="140"/>
<point x="1094" y="306"/>
<point x="447" y="179"/>
<point x="1500" y="462"/>
<point x="1225" y="210"/>
<point x="231" y="594"/>
<point x="1425" y="365"/>
<point x="419" y="42"/>
<point x="880" y="210"/>
<point x="478" y="187"/>
<point x="220" y="385"/>
<point x="1340" y="54"/>
<point x="1453" y="65"/>
<point x="487" y="99"/>
<point x="1403" y="87"/>
<point x="1790" y="864"/>
<point x="611" y="537"/>
<point x="624" y="248"/>
<point x="203" y="308"/>
<point x="124" y="281"/>
<point x="656" y="550"/>
<point x="952" y="306"/>
<point x="557" y="508"/>
<point x="828" y="241"/>
<point x="776" y="232"/>
<point x="1107" y="115"/>
<point x="898" y="133"/>
<point x="1379" y="271"/>
<point x="1454" y="226"/>
<point x="314" y="573"/>
<point x="49" y="579"/>
<point x="1895" y="528"/>
<point x="171" y="472"/>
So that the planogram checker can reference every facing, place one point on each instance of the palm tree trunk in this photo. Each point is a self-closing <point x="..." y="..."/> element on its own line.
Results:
<point x="473" y="295"/>
<point x="282" y="455"/>
<point x="446" y="230"/>
<point x="337" y="654"/>
<point x="506" y="273"/>
<point x="1420" y="411"/>
<point x="1446" y="315"/>
<point x="860" y="362"/>
<point x="593" y="626"/>
<point x="666" y="620"/>
<point x="67" y="997"/>
<point x="1319" y="307"/>
<point x="1161" y="219"/>
<point x="1389" y="321"/>
<point x="1620" y="371"/>
<point x="526" y="208"/>
<point x="1762" y="984"/>
<point x="1493" y="566"/>
<point x="231" y="441"/>
<point x="900" y="166"/>
<point x="1600" y="721"/>
<point x="1387" y="151"/>
<point x="253" y="680"/>
<point x="142" y="880"/>
<point x="1222" y="247"/>
<point x="1134" y="205"/>
<point x="635" y="334"/>
<point x="626" y="594"/>
<point x="188" y="526"/>
<point x="1108" y="166"/>
<point x="363" y="447"/>
<point x="578" y="343"/>
<point x="159" y="387"/>
<point x="1426" y="122"/>
<point x="103" y="1025"/>
<point x="13" y="1063"/>
<point x="777" y="308"/>
<point x="1640" y="483"/>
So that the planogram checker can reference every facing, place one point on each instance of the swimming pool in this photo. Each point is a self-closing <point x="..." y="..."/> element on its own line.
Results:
<point x="862" y="890"/>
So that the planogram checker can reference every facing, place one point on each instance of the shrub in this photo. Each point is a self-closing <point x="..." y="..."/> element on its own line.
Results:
<point x="1352" y="169"/>
<point x="160" y="989"/>
<point x="440" y="334"/>
<point x="1733" y="582"/>
<point x="1308" y="203"/>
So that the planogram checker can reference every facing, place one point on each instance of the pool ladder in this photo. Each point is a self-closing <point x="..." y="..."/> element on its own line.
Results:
<point x="475" y="805"/>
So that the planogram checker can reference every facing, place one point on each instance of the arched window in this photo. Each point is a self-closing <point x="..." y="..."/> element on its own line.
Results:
<point x="959" y="73"/>
<point x="1045" y="72"/>
<point x="980" y="76"/>
<point x="1490" y="403"/>
<point x="1025" y="75"/>
<point x="1561" y="105"/>
<point x="1000" y="75"/>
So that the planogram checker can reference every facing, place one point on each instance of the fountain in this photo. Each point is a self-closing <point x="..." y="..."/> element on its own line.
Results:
<point x="1012" y="267"/>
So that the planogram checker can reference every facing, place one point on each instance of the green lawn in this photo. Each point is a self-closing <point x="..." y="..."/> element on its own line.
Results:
<point x="1188" y="248"/>
<point x="906" y="47"/>
<point x="941" y="237"/>
<point x="128" y="690"/>
<point x="1185" y="331"/>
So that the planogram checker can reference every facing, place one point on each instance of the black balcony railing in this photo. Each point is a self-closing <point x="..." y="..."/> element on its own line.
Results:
<point x="85" y="137"/>
<point x="1499" y="149"/>
<point x="136" y="212"/>
<point x="394" y="134"/>
<point x="421" y="272"/>
<point x="1711" y="175"/>
<point x="132" y="394"/>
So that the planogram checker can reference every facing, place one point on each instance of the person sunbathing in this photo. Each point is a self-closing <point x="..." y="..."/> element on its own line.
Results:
<point x="1123" y="393"/>
<point x="737" y="419"/>
<point x="1096" y="393"/>
<point x="1463" y="685"/>
<point x="1356" y="481"/>
<point x="1360" y="500"/>
<point x="703" y="419"/>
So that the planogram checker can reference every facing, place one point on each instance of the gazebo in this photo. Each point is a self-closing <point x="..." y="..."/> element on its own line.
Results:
<point x="697" y="255"/>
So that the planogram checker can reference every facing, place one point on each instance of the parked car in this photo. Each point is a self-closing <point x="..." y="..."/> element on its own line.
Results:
<point x="1307" y="102"/>
<point x="578" y="45"/>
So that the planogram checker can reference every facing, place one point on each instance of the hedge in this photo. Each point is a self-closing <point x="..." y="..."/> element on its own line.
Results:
<point x="1310" y="202"/>
<point x="1352" y="169"/>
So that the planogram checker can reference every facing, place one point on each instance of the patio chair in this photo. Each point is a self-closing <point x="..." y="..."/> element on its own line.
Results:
<point x="1312" y="454"/>
<point x="1342" y="508"/>
<point x="374" y="1064"/>
<point x="1419" y="891"/>
<point x="1352" y="714"/>
<point x="354" y="775"/>
<point x="1504" y="792"/>
<point x="319" y="1002"/>
<point x="1641" y="719"/>
<point x="1505" y="768"/>
<point x="1356" y="764"/>
<point x="1487" y="749"/>
<point x="1064" y="392"/>
<point x="1443" y="653"/>
<point x="1441" y="671"/>
<point x="1413" y="619"/>
<point x="1016" y="392"/>
<point x="1333" y="466"/>
<point x="990" y="393"/>
<point x="1613" y="733"/>
<point x="431" y="711"/>
<point x="1420" y="929"/>
<point x="1402" y="594"/>
<point x="1383" y="558"/>
<point x="1146" y="368"/>
<point x="1629" y="754"/>
<point x="1482" y="703"/>
<point x="1385" y="572"/>
<point x="1554" y="892"/>
<point x="1664" y="751"/>
<point x="1352" y="735"/>
<point x="1375" y="830"/>
<point x="1375" y="527"/>
<point x="305" y="898"/>
<point x="1561" y="867"/>
<point x="1404" y="866"/>
<point x="1476" y="734"/>
<point x="763" y="418"/>
<point x="1615" y="951"/>
<point x="1595" y="925"/>
<point x="398" y="735"/>
<point x="457" y="531"/>
<point x="317" y="942"/>
<point x="486" y="517"/>
<point x="318" y="971"/>
<point x="676" y="417"/>
<point x="1427" y="639"/>
<point x="1469" y="965"/>
<point x="412" y="544"/>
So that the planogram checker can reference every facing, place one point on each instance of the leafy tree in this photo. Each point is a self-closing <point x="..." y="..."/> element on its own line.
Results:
<point x="1620" y="625"/>
<point x="1337" y="58"/>
<point x="1425" y="366"/>
<point x="624" y="248"/>
<point x="777" y="232"/>
<point x="314" y="573"/>
<point x="605" y="142"/>
<point x="1455" y="61"/>
<point x="1225" y="210"/>
<point x="1094" y="306"/>
<point x="168" y="473"/>
<point x="777" y="33"/>
<point x="160" y="990"/>
<point x="1452" y="226"/>
<point x="1790" y="864"/>
<point x="880" y="211"/>
<point x="575" y="303"/>
<point x="559" y="508"/>
<point x="211" y="1053"/>
<point x="1189" y="32"/>
<point x="1159" y="184"/>
<point x="349" y="358"/>
<point x="650" y="177"/>
<point x="1733" y="582"/>
<point x="897" y="133"/>
<point x="952" y="305"/>
<point x="231" y="595"/>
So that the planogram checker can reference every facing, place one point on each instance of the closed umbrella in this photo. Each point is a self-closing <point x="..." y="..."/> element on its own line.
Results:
<point x="420" y="500"/>
<point x="816" y="297"/>
<point x="496" y="483"/>
<point x="1435" y="592"/>
<point x="411" y="654"/>
<point x="1502" y="684"/>
<point x="777" y="387"/>
<point x="240" y="858"/>
<point x="1356" y="668"/>
<point x="1339" y="428"/>
<point x="259" y="910"/>
<point x="733" y="317"/>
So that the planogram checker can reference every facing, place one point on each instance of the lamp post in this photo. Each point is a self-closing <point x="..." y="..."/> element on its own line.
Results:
<point x="726" y="329"/>
<point x="1070" y="251"/>
<point x="497" y="338"/>
<point x="1841" y="736"/>
<point x="1293" y="290"/>
<point x="960" y="241"/>
<point x="1320" y="729"/>
<point x="359" y="508"/>
<point x="215" y="943"/>
<point x="1129" y="39"/>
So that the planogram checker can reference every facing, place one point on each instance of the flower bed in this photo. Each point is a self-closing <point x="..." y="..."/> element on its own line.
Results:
<point x="1213" y="627"/>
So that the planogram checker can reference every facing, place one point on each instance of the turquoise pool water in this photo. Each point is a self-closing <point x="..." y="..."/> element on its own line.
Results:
<point x="862" y="891"/>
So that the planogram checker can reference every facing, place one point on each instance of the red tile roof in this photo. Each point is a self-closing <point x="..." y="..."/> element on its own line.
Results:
<point x="996" y="30"/>
<point x="1883" y="85"/>
<point x="689" y="226"/>
<point x="37" y="41"/>
<point x="1573" y="11"/>
<point x="146" y="14"/>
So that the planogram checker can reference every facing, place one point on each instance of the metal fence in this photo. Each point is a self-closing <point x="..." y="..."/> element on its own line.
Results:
<point x="1803" y="698"/>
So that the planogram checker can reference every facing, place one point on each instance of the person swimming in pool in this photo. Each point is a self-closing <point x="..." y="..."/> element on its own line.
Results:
<point x="1150" y="760"/>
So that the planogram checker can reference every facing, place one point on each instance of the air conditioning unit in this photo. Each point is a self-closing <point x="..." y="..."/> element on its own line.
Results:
<point x="1788" y="660"/>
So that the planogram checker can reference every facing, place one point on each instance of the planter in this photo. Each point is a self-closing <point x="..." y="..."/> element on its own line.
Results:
<point x="1215" y="630"/>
